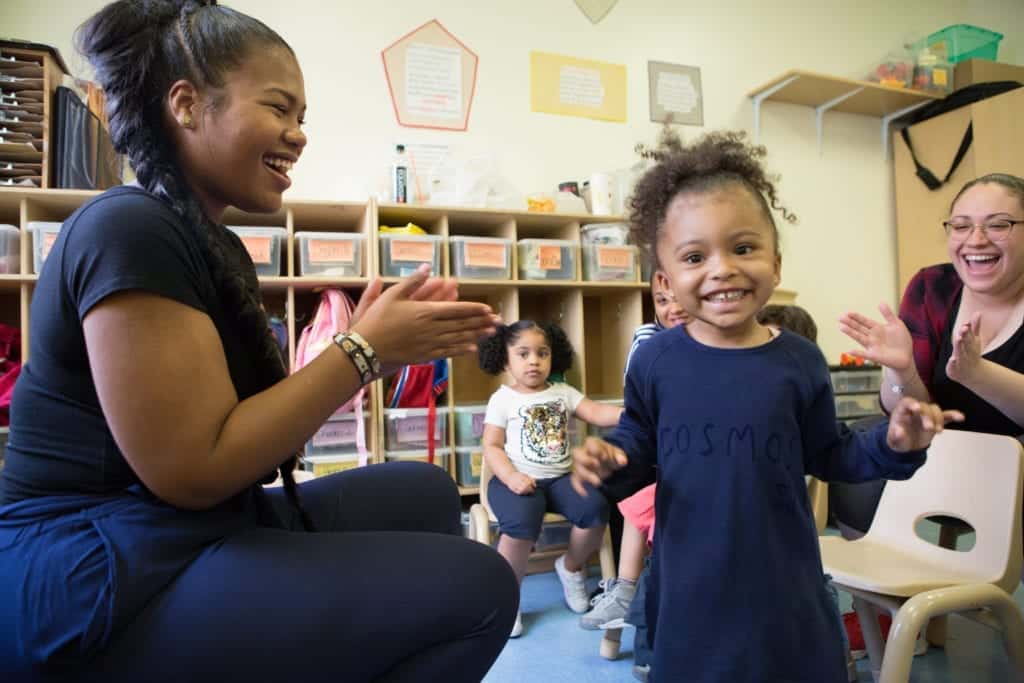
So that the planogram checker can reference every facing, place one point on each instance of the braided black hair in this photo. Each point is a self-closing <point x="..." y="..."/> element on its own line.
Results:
<point x="138" y="49"/>
<point x="713" y="161"/>
<point x="493" y="350"/>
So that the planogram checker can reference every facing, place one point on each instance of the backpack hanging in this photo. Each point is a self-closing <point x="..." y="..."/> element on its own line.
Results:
<point x="960" y="98"/>
<point x="333" y="315"/>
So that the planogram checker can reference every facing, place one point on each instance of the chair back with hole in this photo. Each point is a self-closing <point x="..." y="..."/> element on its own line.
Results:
<point x="972" y="476"/>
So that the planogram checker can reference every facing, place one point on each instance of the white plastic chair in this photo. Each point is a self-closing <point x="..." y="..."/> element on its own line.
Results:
<point x="480" y="518"/>
<point x="974" y="477"/>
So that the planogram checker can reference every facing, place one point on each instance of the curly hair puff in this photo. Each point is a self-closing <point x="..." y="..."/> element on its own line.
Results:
<point x="714" y="160"/>
<point x="493" y="351"/>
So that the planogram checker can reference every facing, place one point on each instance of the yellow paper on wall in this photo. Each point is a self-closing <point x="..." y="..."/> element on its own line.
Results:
<point x="577" y="87"/>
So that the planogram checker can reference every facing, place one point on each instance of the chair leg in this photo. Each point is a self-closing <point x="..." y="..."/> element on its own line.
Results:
<point x="479" y="524"/>
<point x="867" y="614"/>
<point x="611" y="640"/>
<point x="938" y="627"/>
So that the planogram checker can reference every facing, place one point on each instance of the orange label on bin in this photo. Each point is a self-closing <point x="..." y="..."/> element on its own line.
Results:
<point x="550" y="257"/>
<point x="616" y="258"/>
<point x="331" y="251"/>
<point x="48" y="239"/>
<point x="258" y="248"/>
<point x="410" y="250"/>
<point x="484" y="254"/>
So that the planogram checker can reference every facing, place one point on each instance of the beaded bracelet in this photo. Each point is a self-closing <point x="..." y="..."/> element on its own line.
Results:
<point x="361" y="353"/>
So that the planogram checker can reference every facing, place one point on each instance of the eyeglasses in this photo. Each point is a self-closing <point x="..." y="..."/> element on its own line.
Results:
<point x="997" y="230"/>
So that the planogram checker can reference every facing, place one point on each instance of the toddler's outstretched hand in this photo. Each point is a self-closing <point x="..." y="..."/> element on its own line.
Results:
<point x="594" y="462"/>
<point x="914" y="423"/>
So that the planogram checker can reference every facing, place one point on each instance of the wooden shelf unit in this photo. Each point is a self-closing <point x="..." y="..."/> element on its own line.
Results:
<point x="599" y="317"/>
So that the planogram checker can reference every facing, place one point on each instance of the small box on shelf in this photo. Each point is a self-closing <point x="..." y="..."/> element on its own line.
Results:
<point x="401" y="255"/>
<point x="469" y="423"/>
<point x="547" y="259"/>
<point x="857" y="405"/>
<point x="322" y="465"/>
<point x="337" y="437"/>
<point x="10" y="243"/>
<point x="338" y="254"/>
<point x="603" y="262"/>
<point x="407" y="428"/>
<point x="468" y="461"/>
<point x="264" y="247"/>
<point x="440" y="456"/>
<point x="44" y="234"/>
<point x="484" y="258"/>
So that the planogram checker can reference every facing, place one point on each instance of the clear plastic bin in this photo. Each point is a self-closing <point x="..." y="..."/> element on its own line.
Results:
<point x="606" y="262"/>
<point x="331" y="253"/>
<point x="10" y="252"/>
<point x="857" y="405"/>
<point x="440" y="456"/>
<point x="406" y="428"/>
<point x="845" y="381"/>
<point x="337" y="436"/>
<point x="321" y="465"/>
<point x="401" y="255"/>
<point x="484" y="258"/>
<point x="541" y="259"/>
<point x="615" y="234"/>
<point x="469" y="424"/>
<point x="553" y="535"/>
<point x="44" y="234"/>
<point x="264" y="247"/>
<point x="467" y="465"/>
<point x="963" y="41"/>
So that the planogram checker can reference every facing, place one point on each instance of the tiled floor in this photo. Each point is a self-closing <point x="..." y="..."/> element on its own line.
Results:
<point x="553" y="648"/>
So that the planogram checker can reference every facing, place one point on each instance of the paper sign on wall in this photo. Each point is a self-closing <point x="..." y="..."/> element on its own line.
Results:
<point x="577" y="87"/>
<point x="675" y="93"/>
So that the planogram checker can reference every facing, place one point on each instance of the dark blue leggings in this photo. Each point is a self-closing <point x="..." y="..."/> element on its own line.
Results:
<point x="388" y="591"/>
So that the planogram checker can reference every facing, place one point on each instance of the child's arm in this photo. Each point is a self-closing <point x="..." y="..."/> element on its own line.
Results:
<point x="599" y="414"/>
<point x="493" y="441"/>
<point x="913" y="424"/>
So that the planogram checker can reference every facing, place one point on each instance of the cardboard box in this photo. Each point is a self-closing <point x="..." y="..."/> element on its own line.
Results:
<point x="984" y="71"/>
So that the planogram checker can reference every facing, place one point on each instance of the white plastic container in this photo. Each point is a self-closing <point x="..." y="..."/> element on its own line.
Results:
<point x="469" y="424"/>
<point x="406" y="428"/>
<point x="616" y="234"/>
<point x="440" y="456"/>
<point x="484" y="258"/>
<point x="607" y="262"/>
<point x="44" y="234"/>
<point x="10" y="252"/>
<point x="264" y="247"/>
<point x="401" y="255"/>
<point x="339" y="254"/>
<point x="542" y="259"/>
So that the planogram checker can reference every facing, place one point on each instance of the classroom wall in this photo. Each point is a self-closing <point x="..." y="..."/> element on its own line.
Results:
<point x="839" y="256"/>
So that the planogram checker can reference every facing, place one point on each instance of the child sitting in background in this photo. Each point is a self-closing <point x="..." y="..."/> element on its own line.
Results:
<point x="734" y="414"/>
<point x="526" y="446"/>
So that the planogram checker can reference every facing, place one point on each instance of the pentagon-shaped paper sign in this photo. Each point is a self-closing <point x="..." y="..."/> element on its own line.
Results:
<point x="596" y="10"/>
<point x="431" y="76"/>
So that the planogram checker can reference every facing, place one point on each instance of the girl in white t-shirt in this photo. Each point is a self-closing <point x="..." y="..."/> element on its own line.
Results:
<point x="526" y="445"/>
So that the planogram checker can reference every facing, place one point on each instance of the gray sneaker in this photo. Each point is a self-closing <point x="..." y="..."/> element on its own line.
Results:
<point x="609" y="609"/>
<point x="641" y="673"/>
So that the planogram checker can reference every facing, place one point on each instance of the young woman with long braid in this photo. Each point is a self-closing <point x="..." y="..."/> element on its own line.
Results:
<point x="136" y="543"/>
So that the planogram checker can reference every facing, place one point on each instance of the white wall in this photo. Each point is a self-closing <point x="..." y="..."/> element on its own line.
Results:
<point x="840" y="255"/>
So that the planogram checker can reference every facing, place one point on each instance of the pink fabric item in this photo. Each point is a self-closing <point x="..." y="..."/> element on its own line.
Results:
<point x="638" y="510"/>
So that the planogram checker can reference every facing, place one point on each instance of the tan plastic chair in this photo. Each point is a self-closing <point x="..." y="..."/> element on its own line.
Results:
<point x="974" y="477"/>
<point x="817" y="492"/>
<point x="480" y="518"/>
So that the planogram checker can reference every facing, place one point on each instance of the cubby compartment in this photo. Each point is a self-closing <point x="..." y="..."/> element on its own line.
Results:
<point x="564" y="307"/>
<point x="609" y="319"/>
<point x="470" y="384"/>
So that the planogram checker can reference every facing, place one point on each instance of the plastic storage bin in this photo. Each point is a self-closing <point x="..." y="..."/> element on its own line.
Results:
<point x="857" y="405"/>
<point x="541" y="259"/>
<point x="484" y="258"/>
<point x="406" y="428"/>
<point x="616" y="234"/>
<point x="467" y="465"/>
<point x="264" y="247"/>
<point x="553" y="535"/>
<point x="469" y="424"/>
<point x="401" y="255"/>
<point x="845" y="381"/>
<point x="331" y="253"/>
<point x="337" y="436"/>
<point x="44" y="234"/>
<point x="607" y="262"/>
<point x="963" y="41"/>
<point x="440" y="456"/>
<point x="321" y="465"/>
<point x="10" y="252"/>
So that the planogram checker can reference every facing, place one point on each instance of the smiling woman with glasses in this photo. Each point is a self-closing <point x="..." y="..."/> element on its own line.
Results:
<point x="959" y="337"/>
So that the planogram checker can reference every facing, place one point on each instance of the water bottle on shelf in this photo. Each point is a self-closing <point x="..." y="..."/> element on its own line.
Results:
<point x="400" y="176"/>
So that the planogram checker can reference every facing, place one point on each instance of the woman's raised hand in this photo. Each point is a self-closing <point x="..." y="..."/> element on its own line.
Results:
<point x="420" y="319"/>
<point x="887" y="343"/>
<point x="966" y="355"/>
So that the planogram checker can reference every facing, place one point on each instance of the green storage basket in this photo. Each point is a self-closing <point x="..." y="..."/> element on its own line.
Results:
<point x="963" y="41"/>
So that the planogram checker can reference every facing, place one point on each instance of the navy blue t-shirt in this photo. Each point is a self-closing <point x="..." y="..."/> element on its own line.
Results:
<point x="737" y="591"/>
<point x="125" y="239"/>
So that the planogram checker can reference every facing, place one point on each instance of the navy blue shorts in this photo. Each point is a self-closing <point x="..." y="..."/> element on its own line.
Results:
<point x="522" y="516"/>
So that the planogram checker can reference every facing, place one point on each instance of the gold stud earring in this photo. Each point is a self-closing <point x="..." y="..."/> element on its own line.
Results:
<point x="186" y="120"/>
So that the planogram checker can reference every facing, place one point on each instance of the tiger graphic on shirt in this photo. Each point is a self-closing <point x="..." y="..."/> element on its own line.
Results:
<point x="544" y="436"/>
